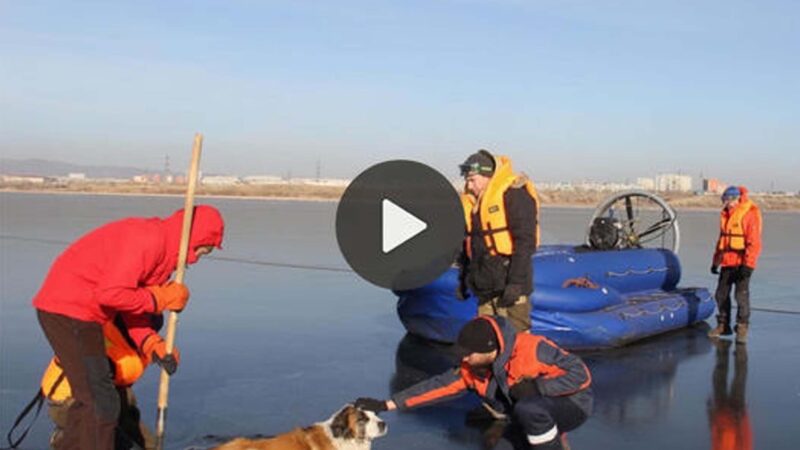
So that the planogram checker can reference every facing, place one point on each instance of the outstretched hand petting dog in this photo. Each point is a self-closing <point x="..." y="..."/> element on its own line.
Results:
<point x="373" y="404"/>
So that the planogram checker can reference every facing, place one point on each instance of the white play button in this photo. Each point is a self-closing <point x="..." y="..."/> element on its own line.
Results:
<point x="398" y="225"/>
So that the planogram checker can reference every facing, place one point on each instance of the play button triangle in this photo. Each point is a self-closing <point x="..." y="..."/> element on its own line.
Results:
<point x="398" y="225"/>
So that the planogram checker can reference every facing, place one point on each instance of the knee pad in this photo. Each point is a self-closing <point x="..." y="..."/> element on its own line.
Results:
<point x="105" y="399"/>
<point x="534" y="418"/>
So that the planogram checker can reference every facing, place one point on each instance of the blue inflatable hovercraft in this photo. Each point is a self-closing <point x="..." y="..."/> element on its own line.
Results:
<point x="619" y="287"/>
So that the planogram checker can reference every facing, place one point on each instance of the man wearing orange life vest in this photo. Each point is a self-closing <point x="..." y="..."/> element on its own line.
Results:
<point x="128" y="360"/>
<point x="539" y="390"/>
<point x="119" y="270"/>
<point x="501" y="210"/>
<point x="736" y="253"/>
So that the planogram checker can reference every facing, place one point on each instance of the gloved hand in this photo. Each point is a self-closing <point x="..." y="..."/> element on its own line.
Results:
<point x="511" y="295"/>
<point x="462" y="292"/>
<point x="715" y="269"/>
<point x="155" y="351"/>
<point x="745" y="271"/>
<point x="371" y="404"/>
<point x="172" y="296"/>
<point x="525" y="388"/>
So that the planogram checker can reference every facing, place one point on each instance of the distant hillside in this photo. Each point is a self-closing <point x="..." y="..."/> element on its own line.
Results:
<point x="49" y="168"/>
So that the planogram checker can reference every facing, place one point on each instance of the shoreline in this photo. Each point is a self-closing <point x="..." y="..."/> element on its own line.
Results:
<point x="587" y="200"/>
<point x="167" y="194"/>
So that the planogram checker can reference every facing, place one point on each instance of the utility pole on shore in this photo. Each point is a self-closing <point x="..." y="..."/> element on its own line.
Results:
<point x="167" y="173"/>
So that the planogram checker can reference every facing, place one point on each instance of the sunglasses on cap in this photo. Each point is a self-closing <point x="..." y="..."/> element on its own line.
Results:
<point x="469" y="169"/>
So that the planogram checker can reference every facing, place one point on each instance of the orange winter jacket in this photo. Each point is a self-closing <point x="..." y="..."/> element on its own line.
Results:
<point x="739" y="240"/>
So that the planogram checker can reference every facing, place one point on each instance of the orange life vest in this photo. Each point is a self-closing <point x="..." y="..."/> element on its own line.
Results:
<point x="128" y="366"/>
<point x="492" y="208"/>
<point x="731" y="227"/>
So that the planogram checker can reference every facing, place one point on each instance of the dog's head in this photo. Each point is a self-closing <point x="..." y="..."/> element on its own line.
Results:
<point x="351" y="423"/>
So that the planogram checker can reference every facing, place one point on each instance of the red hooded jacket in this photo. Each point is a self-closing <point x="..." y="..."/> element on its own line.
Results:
<point x="106" y="271"/>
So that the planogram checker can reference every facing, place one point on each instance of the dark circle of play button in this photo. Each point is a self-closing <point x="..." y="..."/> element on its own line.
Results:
<point x="400" y="224"/>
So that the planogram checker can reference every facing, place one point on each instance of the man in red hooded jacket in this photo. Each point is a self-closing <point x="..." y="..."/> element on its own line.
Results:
<point x="737" y="252"/>
<point x="121" y="268"/>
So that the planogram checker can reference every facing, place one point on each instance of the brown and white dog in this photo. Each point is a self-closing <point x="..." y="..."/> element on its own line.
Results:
<point x="349" y="428"/>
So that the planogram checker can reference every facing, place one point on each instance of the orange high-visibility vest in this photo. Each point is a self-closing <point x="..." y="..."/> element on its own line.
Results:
<point x="492" y="208"/>
<point x="128" y="366"/>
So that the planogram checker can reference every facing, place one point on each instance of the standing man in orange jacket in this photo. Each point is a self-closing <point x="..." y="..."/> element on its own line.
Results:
<point x="501" y="211"/>
<point x="120" y="269"/>
<point x="735" y="259"/>
<point x="540" y="390"/>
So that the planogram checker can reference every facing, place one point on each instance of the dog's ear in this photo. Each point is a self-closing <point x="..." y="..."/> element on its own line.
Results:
<point x="341" y="427"/>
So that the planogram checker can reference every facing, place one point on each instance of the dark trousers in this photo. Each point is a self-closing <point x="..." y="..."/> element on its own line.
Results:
<point x="131" y="433"/>
<point x="538" y="422"/>
<point x="80" y="348"/>
<point x="728" y="277"/>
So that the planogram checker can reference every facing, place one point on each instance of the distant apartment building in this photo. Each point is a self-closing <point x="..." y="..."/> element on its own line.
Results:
<point x="582" y="186"/>
<point x="647" y="184"/>
<point x="220" y="180"/>
<point x="713" y="186"/>
<point x="263" y="179"/>
<point x="670" y="182"/>
<point x="147" y="178"/>
<point x="542" y="186"/>
<point x="321" y="181"/>
<point x="109" y="180"/>
<point x="24" y="179"/>
<point x="76" y="176"/>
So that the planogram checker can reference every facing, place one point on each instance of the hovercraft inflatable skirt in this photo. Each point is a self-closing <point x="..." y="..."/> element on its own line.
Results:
<point x="582" y="298"/>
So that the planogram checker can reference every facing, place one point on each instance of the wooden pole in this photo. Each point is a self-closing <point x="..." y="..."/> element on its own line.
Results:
<point x="183" y="251"/>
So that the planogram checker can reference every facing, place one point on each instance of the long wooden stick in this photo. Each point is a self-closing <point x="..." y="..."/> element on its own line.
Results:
<point x="183" y="251"/>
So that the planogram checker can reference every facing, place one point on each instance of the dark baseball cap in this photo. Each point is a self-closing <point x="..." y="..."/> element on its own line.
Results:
<point x="481" y="162"/>
<point x="477" y="336"/>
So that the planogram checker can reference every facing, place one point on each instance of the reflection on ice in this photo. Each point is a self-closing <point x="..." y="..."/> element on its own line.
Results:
<point x="635" y="384"/>
<point x="727" y="409"/>
<point x="632" y="385"/>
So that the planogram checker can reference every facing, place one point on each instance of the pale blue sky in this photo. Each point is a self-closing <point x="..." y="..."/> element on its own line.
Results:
<point x="603" y="90"/>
